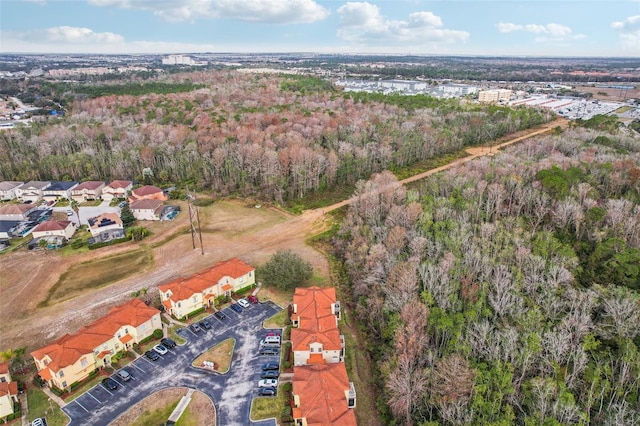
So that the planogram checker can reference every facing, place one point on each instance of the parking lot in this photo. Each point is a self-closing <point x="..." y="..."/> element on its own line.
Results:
<point x="231" y="393"/>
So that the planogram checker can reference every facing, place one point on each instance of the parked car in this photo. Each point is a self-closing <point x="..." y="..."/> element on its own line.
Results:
<point x="205" y="324"/>
<point x="244" y="303"/>
<point x="40" y="421"/>
<point x="236" y="307"/>
<point x="161" y="349"/>
<point x="124" y="375"/>
<point x="268" y="383"/>
<point x="152" y="355"/>
<point x="266" y="344"/>
<point x="69" y="213"/>
<point x="168" y="342"/>
<point x="253" y="299"/>
<point x="109" y="383"/>
<point x="268" y="351"/>
<point x="195" y="328"/>
<point x="220" y="315"/>
<point x="267" y="391"/>
<point x="271" y="366"/>
<point x="270" y="374"/>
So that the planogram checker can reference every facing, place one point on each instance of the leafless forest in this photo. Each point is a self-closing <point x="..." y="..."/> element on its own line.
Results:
<point x="505" y="291"/>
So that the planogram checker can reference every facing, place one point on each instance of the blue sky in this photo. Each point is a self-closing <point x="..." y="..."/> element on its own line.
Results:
<point x="471" y="27"/>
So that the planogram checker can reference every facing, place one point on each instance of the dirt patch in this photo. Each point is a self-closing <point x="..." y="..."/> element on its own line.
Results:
<point x="199" y="412"/>
<point x="612" y="94"/>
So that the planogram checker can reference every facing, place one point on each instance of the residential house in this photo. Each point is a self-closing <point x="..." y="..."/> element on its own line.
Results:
<point x="147" y="209"/>
<point x="106" y="222"/>
<point x="58" y="228"/>
<point x="16" y="211"/>
<point x="117" y="189"/>
<point x="6" y="228"/>
<point x="315" y="337"/>
<point x="184" y="296"/>
<point x="8" y="391"/>
<point x="73" y="357"/>
<point x="147" y="192"/>
<point x="323" y="395"/>
<point x="32" y="191"/>
<point x="8" y="190"/>
<point x="59" y="190"/>
<point x="89" y="190"/>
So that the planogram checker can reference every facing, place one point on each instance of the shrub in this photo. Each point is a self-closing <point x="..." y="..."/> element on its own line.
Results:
<point x="157" y="333"/>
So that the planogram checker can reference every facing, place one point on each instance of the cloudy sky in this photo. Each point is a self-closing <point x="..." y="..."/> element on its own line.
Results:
<point x="473" y="27"/>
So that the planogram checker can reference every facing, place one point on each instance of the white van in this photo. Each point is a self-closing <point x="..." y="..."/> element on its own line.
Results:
<point x="272" y="339"/>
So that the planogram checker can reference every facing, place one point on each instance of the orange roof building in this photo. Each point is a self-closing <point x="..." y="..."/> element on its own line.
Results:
<point x="316" y="338"/>
<point x="323" y="395"/>
<point x="117" y="189"/>
<point x="148" y="192"/>
<point x="183" y="296"/>
<point x="72" y="358"/>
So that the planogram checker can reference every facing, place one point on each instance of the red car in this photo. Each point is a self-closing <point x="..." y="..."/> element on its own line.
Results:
<point x="252" y="299"/>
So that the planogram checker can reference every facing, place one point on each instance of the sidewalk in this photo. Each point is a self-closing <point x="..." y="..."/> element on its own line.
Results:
<point x="53" y="397"/>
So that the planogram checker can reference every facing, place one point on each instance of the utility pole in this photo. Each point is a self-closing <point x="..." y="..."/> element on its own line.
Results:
<point x="194" y="221"/>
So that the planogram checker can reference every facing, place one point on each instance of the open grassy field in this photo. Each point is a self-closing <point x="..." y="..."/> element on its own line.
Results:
<point x="221" y="355"/>
<point x="98" y="273"/>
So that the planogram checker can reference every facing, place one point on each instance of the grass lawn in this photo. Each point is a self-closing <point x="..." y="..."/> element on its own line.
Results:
<point x="41" y="406"/>
<point x="98" y="273"/>
<point x="220" y="354"/>
<point x="174" y="334"/>
<point x="278" y="320"/>
<point x="157" y="417"/>
<point x="278" y="297"/>
<point x="267" y="407"/>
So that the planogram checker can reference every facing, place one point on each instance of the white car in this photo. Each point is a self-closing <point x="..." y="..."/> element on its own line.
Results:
<point x="244" y="303"/>
<point x="268" y="383"/>
<point x="69" y="213"/>
<point x="160" y="349"/>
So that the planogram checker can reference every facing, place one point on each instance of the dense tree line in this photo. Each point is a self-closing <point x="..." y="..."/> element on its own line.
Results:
<point x="505" y="291"/>
<point x="271" y="137"/>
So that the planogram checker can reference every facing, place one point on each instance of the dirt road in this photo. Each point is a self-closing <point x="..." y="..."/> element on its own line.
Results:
<point x="230" y="228"/>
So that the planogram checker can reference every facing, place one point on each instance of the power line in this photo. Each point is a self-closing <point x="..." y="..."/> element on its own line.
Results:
<point x="194" y="221"/>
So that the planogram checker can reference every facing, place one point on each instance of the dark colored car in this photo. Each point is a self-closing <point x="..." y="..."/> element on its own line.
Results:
<point x="220" y="315"/>
<point x="152" y="355"/>
<point x="267" y="391"/>
<point x="270" y="374"/>
<point x="268" y="351"/>
<point x="195" y="328"/>
<point x="236" y="307"/>
<point x="271" y="366"/>
<point x="109" y="383"/>
<point x="205" y="324"/>
<point x="253" y="299"/>
<point x="169" y="343"/>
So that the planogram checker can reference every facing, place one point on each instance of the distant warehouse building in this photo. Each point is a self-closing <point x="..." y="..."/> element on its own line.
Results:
<point x="496" y="95"/>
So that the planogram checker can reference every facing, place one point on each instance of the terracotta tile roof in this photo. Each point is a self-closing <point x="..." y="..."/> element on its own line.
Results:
<point x="145" y="190"/>
<point x="316" y="322"/>
<point x="145" y="204"/>
<point x="4" y="368"/>
<point x="103" y="354"/>
<point x="226" y="287"/>
<point x="321" y="390"/>
<point x="16" y="208"/>
<point x="45" y="374"/>
<point x="316" y="358"/>
<point x="117" y="184"/>
<point x="70" y="348"/>
<point x="8" y="388"/>
<point x="90" y="185"/>
<point x="52" y="225"/>
<point x="126" y="338"/>
<point x="183" y="289"/>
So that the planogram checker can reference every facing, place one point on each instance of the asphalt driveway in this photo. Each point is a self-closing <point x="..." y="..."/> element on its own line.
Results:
<point x="231" y="393"/>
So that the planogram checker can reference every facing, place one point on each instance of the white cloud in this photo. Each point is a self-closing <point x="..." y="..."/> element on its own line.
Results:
<point x="266" y="11"/>
<point x="629" y="30"/>
<point x="547" y="32"/>
<point x="363" y="22"/>
<point x="84" y="40"/>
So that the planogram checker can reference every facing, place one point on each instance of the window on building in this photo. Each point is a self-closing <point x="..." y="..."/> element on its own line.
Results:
<point x="61" y="373"/>
<point x="351" y="403"/>
<point x="104" y="347"/>
<point x="119" y="335"/>
<point x="84" y="362"/>
<point x="143" y="327"/>
<point x="112" y="351"/>
<point x="2" y="379"/>
<point x="126" y="331"/>
<point x="64" y="384"/>
<point x="195" y="298"/>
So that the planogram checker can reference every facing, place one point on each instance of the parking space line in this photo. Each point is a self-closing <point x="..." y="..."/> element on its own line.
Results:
<point x="138" y="368"/>
<point x="105" y="388"/>
<point x="89" y="393"/>
<point x="117" y="381"/>
<point x="81" y="406"/>
<point x="146" y="360"/>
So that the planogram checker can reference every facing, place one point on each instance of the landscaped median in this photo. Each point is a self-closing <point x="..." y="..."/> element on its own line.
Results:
<point x="269" y="407"/>
<point x="218" y="358"/>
